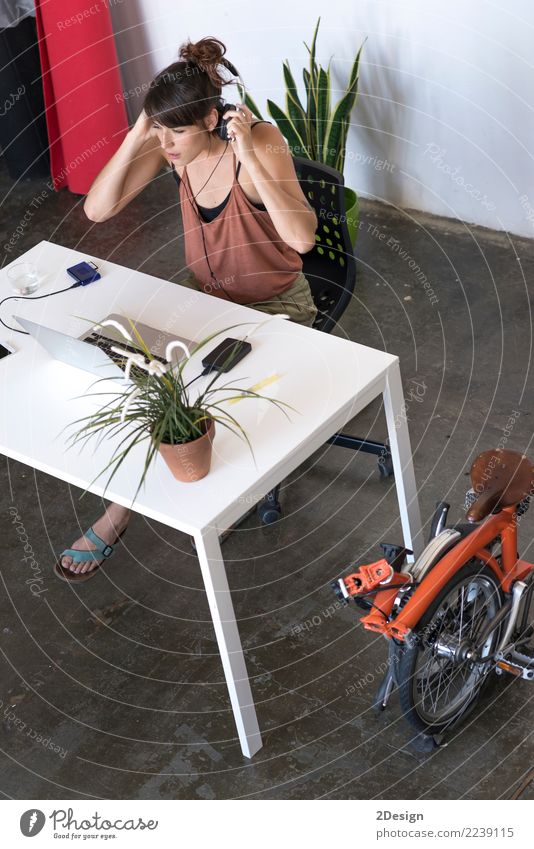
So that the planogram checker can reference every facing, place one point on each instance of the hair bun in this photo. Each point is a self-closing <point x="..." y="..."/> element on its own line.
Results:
<point x="204" y="53"/>
<point x="208" y="55"/>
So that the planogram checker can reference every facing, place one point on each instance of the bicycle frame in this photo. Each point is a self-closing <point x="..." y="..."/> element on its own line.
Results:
<point x="511" y="569"/>
<point x="503" y="525"/>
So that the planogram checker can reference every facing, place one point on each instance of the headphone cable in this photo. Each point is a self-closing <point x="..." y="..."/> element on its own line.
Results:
<point x="194" y="206"/>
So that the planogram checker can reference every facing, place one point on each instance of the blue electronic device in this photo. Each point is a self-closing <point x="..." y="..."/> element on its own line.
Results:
<point x="84" y="272"/>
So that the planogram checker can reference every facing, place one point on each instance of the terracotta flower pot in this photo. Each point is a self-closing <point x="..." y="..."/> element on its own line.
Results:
<point x="190" y="461"/>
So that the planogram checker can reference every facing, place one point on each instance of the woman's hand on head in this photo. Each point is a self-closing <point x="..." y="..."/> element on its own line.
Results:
<point x="143" y="129"/>
<point x="239" y="134"/>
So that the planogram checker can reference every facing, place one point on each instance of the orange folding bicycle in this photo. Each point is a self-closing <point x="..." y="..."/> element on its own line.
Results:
<point x="461" y="611"/>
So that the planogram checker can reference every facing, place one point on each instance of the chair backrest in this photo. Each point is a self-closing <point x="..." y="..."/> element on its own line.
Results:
<point x="330" y="266"/>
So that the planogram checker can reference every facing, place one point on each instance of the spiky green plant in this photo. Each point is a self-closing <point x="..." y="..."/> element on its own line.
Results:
<point x="160" y="407"/>
<point x="320" y="130"/>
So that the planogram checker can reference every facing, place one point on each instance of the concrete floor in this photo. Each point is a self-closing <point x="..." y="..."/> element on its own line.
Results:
<point x="117" y="691"/>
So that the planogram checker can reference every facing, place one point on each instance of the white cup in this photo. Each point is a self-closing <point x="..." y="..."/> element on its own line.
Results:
<point x="24" y="278"/>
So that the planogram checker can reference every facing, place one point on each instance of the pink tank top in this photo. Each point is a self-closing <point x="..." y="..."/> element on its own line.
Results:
<point x="247" y="256"/>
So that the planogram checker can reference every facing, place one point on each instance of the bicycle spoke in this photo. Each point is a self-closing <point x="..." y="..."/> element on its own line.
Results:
<point x="442" y="686"/>
<point x="462" y="596"/>
<point x="446" y="682"/>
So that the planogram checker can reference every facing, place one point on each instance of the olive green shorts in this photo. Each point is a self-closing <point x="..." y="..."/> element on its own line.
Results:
<point x="296" y="302"/>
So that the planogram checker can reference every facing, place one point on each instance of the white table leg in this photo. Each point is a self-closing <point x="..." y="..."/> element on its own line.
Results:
<point x="401" y="453"/>
<point x="222" y="612"/>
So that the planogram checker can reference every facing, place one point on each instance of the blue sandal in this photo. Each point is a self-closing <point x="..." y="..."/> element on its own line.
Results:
<point x="83" y="557"/>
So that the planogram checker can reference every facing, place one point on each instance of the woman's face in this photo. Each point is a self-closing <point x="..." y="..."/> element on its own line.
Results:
<point x="183" y="144"/>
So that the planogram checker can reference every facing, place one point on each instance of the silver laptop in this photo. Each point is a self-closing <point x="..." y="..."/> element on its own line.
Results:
<point x="92" y="351"/>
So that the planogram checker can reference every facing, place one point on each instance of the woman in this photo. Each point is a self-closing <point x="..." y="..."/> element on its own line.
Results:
<point x="246" y="220"/>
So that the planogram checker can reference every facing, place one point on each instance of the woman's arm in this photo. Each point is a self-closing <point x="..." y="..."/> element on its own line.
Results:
<point x="130" y="169"/>
<point x="269" y="164"/>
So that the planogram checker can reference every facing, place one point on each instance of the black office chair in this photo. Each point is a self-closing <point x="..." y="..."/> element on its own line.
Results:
<point x="330" y="268"/>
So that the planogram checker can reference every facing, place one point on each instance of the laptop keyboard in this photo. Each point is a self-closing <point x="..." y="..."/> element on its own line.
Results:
<point x="105" y="344"/>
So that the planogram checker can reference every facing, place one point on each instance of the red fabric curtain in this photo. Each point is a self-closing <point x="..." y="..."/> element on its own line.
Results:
<point x="85" y="112"/>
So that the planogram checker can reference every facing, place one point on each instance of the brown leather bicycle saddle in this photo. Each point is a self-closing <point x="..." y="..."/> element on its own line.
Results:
<point x="500" y="479"/>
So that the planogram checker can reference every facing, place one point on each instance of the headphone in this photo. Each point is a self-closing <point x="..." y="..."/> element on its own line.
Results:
<point x="222" y="126"/>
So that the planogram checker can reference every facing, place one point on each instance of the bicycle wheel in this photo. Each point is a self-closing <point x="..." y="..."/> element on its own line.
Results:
<point x="436" y="689"/>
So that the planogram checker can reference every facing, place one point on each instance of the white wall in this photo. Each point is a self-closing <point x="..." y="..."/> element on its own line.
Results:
<point x="445" y="118"/>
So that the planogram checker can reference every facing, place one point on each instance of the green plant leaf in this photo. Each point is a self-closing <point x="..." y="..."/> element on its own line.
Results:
<point x="339" y="122"/>
<point x="318" y="131"/>
<point x="311" y="112"/>
<point x="323" y="112"/>
<point x="337" y="130"/>
<point x="295" y="110"/>
<point x="291" y="85"/>
<point x="342" y="146"/>
<point x="353" y="76"/>
<point x="298" y="119"/>
<point x="311" y="50"/>
<point x="313" y="76"/>
<point x="286" y="127"/>
<point x="116" y="461"/>
<point x="239" y="429"/>
<point x="246" y="98"/>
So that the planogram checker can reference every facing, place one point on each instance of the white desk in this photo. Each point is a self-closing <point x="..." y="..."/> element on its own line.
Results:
<point x="326" y="379"/>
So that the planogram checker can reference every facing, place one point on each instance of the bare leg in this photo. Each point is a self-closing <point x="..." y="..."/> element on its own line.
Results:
<point x="107" y="527"/>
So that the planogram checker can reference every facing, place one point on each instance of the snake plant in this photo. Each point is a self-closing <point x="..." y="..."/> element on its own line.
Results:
<point x="319" y="130"/>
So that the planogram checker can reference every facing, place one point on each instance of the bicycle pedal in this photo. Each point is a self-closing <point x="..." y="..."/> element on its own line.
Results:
<point x="517" y="664"/>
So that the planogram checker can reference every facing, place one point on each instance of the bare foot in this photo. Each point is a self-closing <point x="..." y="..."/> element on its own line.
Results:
<point x="107" y="527"/>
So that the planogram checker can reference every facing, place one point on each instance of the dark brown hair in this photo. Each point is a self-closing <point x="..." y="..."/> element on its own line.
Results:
<point x="186" y="91"/>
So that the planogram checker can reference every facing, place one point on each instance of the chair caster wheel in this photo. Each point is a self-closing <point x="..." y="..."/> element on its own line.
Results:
<point x="385" y="466"/>
<point x="269" y="511"/>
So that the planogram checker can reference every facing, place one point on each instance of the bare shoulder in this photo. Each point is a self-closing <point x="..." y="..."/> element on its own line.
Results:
<point x="264" y="133"/>
<point x="273" y="151"/>
<point x="276" y="156"/>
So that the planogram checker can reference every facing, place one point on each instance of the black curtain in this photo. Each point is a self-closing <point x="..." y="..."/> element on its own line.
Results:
<point x="23" y="135"/>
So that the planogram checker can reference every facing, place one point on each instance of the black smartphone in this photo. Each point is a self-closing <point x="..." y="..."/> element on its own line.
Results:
<point x="226" y="355"/>
<point x="5" y="350"/>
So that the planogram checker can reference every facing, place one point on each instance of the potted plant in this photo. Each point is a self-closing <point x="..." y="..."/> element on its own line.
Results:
<point x="157" y="403"/>
<point x="319" y="130"/>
